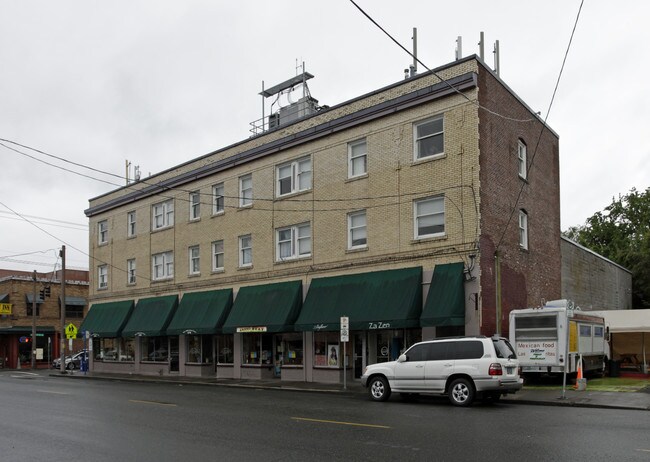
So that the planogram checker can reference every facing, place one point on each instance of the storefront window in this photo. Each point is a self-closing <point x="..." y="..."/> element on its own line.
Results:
<point x="224" y="344"/>
<point x="199" y="349"/>
<point x="154" y="349"/>
<point x="327" y="352"/>
<point x="257" y="349"/>
<point x="289" y="349"/>
<point x="114" y="349"/>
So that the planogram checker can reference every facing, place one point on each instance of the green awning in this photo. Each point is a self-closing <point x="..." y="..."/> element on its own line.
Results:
<point x="151" y="316"/>
<point x="265" y="308"/>
<point x="378" y="300"/>
<point x="201" y="313"/>
<point x="107" y="319"/>
<point x="445" y="304"/>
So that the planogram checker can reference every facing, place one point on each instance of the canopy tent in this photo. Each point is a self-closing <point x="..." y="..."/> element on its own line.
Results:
<point x="630" y="331"/>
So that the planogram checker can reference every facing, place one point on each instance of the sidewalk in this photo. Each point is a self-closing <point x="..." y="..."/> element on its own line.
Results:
<point x="552" y="396"/>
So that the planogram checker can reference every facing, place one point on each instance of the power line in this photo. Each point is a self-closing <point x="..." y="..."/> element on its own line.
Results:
<point x="539" y="138"/>
<point x="50" y="219"/>
<point x="49" y="224"/>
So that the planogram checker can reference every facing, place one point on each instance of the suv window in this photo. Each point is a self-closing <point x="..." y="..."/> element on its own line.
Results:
<point x="438" y="351"/>
<point x="472" y="349"/>
<point x="503" y="348"/>
<point x="417" y="353"/>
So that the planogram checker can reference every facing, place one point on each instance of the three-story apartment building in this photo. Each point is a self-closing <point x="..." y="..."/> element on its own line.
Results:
<point x="426" y="208"/>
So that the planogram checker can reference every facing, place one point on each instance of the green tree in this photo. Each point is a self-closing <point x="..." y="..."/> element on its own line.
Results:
<point x="621" y="233"/>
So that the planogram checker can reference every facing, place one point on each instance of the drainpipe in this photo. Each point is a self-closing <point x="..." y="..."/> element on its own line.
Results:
<point x="497" y="286"/>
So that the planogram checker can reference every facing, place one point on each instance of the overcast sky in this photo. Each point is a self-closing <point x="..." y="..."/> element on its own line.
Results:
<point x="160" y="82"/>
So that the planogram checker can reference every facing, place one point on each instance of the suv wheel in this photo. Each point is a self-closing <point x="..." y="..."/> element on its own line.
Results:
<point x="461" y="392"/>
<point x="70" y="366"/>
<point x="379" y="389"/>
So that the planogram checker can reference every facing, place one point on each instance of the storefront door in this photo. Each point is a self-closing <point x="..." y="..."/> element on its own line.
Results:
<point x="173" y="353"/>
<point x="358" y="354"/>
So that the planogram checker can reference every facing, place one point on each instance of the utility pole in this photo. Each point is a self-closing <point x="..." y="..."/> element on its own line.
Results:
<point x="34" y="321"/>
<point x="62" y="335"/>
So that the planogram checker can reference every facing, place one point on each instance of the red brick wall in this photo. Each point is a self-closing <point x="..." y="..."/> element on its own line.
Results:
<point x="527" y="276"/>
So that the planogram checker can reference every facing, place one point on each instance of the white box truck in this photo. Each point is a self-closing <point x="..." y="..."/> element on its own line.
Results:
<point x="540" y="337"/>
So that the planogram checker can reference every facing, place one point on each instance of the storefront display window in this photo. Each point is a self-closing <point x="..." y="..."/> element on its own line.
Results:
<point x="257" y="349"/>
<point x="199" y="349"/>
<point x="155" y="349"/>
<point x="327" y="351"/>
<point x="289" y="349"/>
<point x="114" y="349"/>
<point x="224" y="346"/>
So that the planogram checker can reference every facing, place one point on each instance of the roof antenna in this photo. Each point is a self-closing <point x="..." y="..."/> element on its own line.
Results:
<point x="413" y="68"/>
<point x="497" y="67"/>
<point x="459" y="48"/>
<point x="481" y="47"/>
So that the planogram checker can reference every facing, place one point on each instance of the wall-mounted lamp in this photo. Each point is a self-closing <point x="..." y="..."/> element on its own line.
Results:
<point x="470" y="268"/>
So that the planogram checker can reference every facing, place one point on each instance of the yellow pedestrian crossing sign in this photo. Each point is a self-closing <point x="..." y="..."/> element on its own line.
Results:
<point x="70" y="331"/>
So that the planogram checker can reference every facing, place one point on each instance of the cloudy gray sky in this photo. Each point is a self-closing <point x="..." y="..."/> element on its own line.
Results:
<point x="160" y="82"/>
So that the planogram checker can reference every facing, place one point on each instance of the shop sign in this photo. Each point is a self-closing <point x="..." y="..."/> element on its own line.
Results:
<point x="319" y="327"/>
<point x="5" y="308"/>
<point x="378" y="325"/>
<point x="538" y="352"/>
<point x="251" y="329"/>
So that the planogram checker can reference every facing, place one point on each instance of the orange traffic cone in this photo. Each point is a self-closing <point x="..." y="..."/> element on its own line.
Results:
<point x="580" y="383"/>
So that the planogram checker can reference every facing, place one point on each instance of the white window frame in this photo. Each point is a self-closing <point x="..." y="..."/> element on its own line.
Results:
<point x="162" y="266"/>
<point x="195" y="205"/>
<point x="523" y="229"/>
<point x="218" y="199"/>
<point x="102" y="232"/>
<point x="218" y="251"/>
<point x="352" y="157"/>
<point x="130" y="224"/>
<point x="162" y="215"/>
<point x="354" y="228"/>
<point x="296" y="239"/>
<point x="299" y="177"/>
<point x="130" y="271"/>
<point x="246" y="190"/>
<point x="416" y="139"/>
<point x="418" y="216"/>
<point x="522" y="156"/>
<point x="102" y="277"/>
<point x="245" y="251"/>
<point x="194" y="255"/>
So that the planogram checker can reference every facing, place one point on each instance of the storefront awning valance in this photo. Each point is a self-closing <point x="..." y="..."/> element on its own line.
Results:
<point x="26" y="330"/>
<point x="378" y="300"/>
<point x="73" y="301"/>
<point x="151" y="316"/>
<point x="265" y="308"/>
<point x="30" y="298"/>
<point x="107" y="319"/>
<point x="201" y="313"/>
<point x="445" y="304"/>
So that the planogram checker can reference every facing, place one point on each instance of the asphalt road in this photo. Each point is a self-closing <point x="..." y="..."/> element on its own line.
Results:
<point x="58" y="419"/>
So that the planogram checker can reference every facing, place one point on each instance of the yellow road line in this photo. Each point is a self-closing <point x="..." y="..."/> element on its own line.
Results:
<point x="152" y="402"/>
<point x="340" y="423"/>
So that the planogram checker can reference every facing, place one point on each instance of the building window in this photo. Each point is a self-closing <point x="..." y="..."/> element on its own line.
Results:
<point x="521" y="156"/>
<point x="163" y="214"/>
<point x="246" y="190"/>
<point x="429" y="138"/>
<point x="199" y="349"/>
<point x="245" y="250"/>
<point x="217" y="199"/>
<point x="114" y="349"/>
<point x="130" y="271"/>
<point x="357" y="231"/>
<point x="74" y="311"/>
<point x="523" y="229"/>
<point x="290" y="351"/>
<point x="429" y="217"/>
<point x="224" y="347"/>
<point x="293" y="242"/>
<point x="102" y="232"/>
<point x="195" y="205"/>
<point x="130" y="224"/>
<point x="326" y="350"/>
<point x="102" y="276"/>
<point x="257" y="348"/>
<point x="195" y="263"/>
<point x="154" y="349"/>
<point x="294" y="176"/>
<point x="163" y="266"/>
<point x="217" y="256"/>
<point x="357" y="158"/>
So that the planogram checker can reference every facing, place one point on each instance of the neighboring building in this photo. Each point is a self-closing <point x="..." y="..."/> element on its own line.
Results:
<point x="592" y="281"/>
<point x="416" y="210"/>
<point x="17" y="290"/>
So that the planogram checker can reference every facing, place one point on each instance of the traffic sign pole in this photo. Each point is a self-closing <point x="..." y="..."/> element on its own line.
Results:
<point x="345" y="337"/>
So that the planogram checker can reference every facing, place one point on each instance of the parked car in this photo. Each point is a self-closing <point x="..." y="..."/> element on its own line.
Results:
<point x="71" y="362"/>
<point x="462" y="368"/>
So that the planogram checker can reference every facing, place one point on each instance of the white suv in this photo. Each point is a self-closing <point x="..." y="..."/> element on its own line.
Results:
<point x="463" y="368"/>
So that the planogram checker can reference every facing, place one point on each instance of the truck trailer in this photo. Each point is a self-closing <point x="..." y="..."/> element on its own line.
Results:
<point x="541" y="336"/>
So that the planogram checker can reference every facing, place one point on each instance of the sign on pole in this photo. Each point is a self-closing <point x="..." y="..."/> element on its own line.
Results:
<point x="345" y="329"/>
<point x="70" y="331"/>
